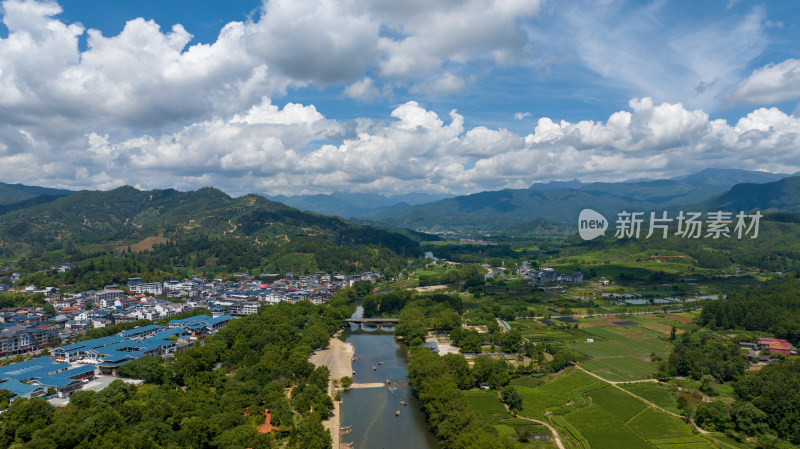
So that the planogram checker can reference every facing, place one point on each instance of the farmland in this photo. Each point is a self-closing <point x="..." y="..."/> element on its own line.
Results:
<point x="488" y="405"/>
<point x="617" y="349"/>
<point x="602" y="416"/>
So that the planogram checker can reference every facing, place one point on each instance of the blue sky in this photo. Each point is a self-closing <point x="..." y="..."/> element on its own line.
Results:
<point x="455" y="96"/>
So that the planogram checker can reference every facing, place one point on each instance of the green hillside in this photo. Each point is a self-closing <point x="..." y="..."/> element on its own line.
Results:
<point x="783" y="195"/>
<point x="199" y="228"/>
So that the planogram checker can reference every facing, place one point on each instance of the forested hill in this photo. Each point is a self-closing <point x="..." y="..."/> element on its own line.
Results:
<point x="783" y="195"/>
<point x="11" y="193"/>
<point x="129" y="215"/>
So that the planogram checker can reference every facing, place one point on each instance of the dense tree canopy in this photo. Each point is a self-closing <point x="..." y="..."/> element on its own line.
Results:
<point x="772" y="307"/>
<point x="208" y="396"/>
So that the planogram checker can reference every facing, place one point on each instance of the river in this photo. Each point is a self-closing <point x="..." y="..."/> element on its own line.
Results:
<point x="372" y="411"/>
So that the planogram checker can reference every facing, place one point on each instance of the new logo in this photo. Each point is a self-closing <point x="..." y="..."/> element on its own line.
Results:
<point x="591" y="224"/>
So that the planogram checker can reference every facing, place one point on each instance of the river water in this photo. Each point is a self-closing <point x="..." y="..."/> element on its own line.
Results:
<point x="372" y="411"/>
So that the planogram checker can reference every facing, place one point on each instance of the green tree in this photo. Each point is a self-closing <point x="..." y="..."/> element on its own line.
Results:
<point x="412" y="326"/>
<point x="713" y="416"/>
<point x="512" y="398"/>
<point x="370" y="305"/>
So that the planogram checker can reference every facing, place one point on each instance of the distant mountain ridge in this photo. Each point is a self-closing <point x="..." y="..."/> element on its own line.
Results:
<point x="12" y="193"/>
<point x="509" y="208"/>
<point x="779" y="196"/>
<point x="344" y="204"/>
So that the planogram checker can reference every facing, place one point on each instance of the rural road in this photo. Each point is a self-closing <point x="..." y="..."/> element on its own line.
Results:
<point x="651" y="404"/>
<point x="556" y="436"/>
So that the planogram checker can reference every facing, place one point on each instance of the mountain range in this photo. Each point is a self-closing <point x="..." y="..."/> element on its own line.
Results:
<point x="562" y="201"/>
<point x="346" y="204"/>
<point x="13" y="193"/>
<point x="130" y="215"/>
<point x="53" y="216"/>
<point x="555" y="201"/>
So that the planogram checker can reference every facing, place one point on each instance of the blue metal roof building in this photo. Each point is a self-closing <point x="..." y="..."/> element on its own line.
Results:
<point x="19" y="389"/>
<point x="140" y="332"/>
<point x="44" y="372"/>
<point x="78" y="350"/>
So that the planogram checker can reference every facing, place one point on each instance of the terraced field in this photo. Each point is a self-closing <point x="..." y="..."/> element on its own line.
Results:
<point x="616" y="419"/>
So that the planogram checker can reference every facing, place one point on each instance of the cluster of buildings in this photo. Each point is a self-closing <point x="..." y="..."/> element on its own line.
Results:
<point x="774" y="346"/>
<point x="71" y="366"/>
<point x="547" y="275"/>
<point x="25" y="330"/>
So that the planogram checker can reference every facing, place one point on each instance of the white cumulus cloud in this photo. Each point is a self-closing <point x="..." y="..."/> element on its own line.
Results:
<point x="770" y="84"/>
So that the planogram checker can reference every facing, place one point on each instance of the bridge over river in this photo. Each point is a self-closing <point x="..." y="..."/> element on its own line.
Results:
<point x="372" y="321"/>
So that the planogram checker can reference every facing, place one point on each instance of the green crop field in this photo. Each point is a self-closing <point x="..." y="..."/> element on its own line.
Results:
<point x="485" y="402"/>
<point x="536" y="331"/>
<point x="602" y="415"/>
<point x="531" y="427"/>
<point x="604" y="430"/>
<point x="621" y="369"/>
<point x="616" y="419"/>
<point x="617" y="402"/>
<point x="505" y="430"/>
<point x="653" y="424"/>
<point x="552" y="394"/>
<point x="655" y="393"/>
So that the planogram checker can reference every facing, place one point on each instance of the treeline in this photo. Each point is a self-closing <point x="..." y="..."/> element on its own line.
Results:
<point x="772" y="307"/>
<point x="767" y="407"/>
<point x="204" y="251"/>
<point x="766" y="404"/>
<point x="704" y="353"/>
<point x="13" y="299"/>
<point x="475" y="253"/>
<point x="216" y="254"/>
<point x="436" y="381"/>
<point x="390" y="303"/>
<point x="208" y="396"/>
<point x="472" y="274"/>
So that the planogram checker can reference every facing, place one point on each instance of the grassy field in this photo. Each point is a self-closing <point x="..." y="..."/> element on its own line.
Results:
<point x="621" y="369"/>
<point x="616" y="419"/>
<point x="488" y="405"/>
<point x="295" y="262"/>
<point x="536" y="331"/>
<point x="535" y="401"/>
<point x="604" y="430"/>
<point x="622" y="353"/>
<point x="655" y="393"/>
<point x="485" y="402"/>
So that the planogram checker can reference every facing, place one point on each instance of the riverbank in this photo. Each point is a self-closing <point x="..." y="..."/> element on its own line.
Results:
<point x="338" y="357"/>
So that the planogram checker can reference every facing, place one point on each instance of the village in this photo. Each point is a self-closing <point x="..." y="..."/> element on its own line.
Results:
<point x="28" y="332"/>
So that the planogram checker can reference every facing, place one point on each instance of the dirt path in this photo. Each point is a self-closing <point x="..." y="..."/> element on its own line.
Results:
<point x="338" y="357"/>
<point x="556" y="436"/>
<point x="651" y="404"/>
